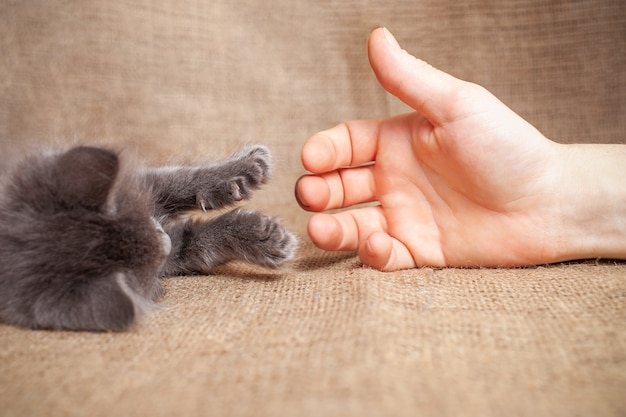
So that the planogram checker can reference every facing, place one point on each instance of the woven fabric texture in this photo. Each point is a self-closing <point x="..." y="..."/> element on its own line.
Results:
<point x="192" y="81"/>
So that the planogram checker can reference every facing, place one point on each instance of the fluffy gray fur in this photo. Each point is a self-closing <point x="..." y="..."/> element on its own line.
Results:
<point x="84" y="237"/>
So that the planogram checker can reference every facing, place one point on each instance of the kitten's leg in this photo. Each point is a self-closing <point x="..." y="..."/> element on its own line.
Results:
<point x="199" y="246"/>
<point x="211" y="186"/>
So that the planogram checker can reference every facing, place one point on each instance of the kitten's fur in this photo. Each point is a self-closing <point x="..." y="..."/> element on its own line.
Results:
<point x="84" y="237"/>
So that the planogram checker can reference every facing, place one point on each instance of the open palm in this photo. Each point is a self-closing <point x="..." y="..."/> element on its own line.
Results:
<point x="462" y="181"/>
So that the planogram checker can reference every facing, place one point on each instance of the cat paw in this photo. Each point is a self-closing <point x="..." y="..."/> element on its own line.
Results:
<point x="258" y="161"/>
<point x="266" y="241"/>
<point x="279" y="244"/>
<point x="219" y="195"/>
<point x="242" y="173"/>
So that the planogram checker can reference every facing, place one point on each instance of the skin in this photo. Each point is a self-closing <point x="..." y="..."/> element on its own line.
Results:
<point x="462" y="181"/>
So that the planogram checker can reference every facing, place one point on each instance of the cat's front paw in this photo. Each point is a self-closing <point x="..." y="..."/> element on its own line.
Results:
<point x="242" y="173"/>
<point x="266" y="241"/>
<point x="279" y="245"/>
<point x="221" y="194"/>
<point x="257" y="163"/>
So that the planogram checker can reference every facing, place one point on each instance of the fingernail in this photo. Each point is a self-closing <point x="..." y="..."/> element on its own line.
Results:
<point x="390" y="38"/>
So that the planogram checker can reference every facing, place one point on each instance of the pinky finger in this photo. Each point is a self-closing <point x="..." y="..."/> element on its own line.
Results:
<point x="382" y="252"/>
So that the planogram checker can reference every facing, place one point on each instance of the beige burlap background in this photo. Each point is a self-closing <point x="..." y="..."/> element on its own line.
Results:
<point x="188" y="81"/>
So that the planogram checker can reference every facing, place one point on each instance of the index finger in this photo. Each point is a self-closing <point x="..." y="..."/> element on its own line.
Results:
<point x="348" y="144"/>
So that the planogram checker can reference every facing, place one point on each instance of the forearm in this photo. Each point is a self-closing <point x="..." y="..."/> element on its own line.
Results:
<point x="593" y="202"/>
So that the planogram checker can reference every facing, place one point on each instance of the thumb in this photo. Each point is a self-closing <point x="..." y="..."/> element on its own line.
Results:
<point x="419" y="85"/>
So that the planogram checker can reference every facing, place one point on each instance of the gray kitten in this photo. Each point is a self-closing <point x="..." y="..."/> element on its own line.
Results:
<point x="84" y="237"/>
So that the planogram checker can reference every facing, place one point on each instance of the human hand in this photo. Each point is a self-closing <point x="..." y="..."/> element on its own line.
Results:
<point x="462" y="181"/>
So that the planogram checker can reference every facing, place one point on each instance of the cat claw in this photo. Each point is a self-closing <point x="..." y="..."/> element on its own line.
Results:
<point x="203" y="206"/>
<point x="237" y="192"/>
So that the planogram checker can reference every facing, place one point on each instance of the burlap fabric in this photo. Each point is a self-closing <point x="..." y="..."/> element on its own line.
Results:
<point x="185" y="81"/>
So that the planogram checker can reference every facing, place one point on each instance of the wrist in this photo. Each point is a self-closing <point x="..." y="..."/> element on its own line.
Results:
<point x="592" y="203"/>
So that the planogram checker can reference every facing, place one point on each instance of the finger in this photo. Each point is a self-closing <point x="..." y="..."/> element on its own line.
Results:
<point x="345" y="230"/>
<point x="419" y="85"/>
<point x="385" y="253"/>
<point x="336" y="189"/>
<point x="345" y="145"/>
